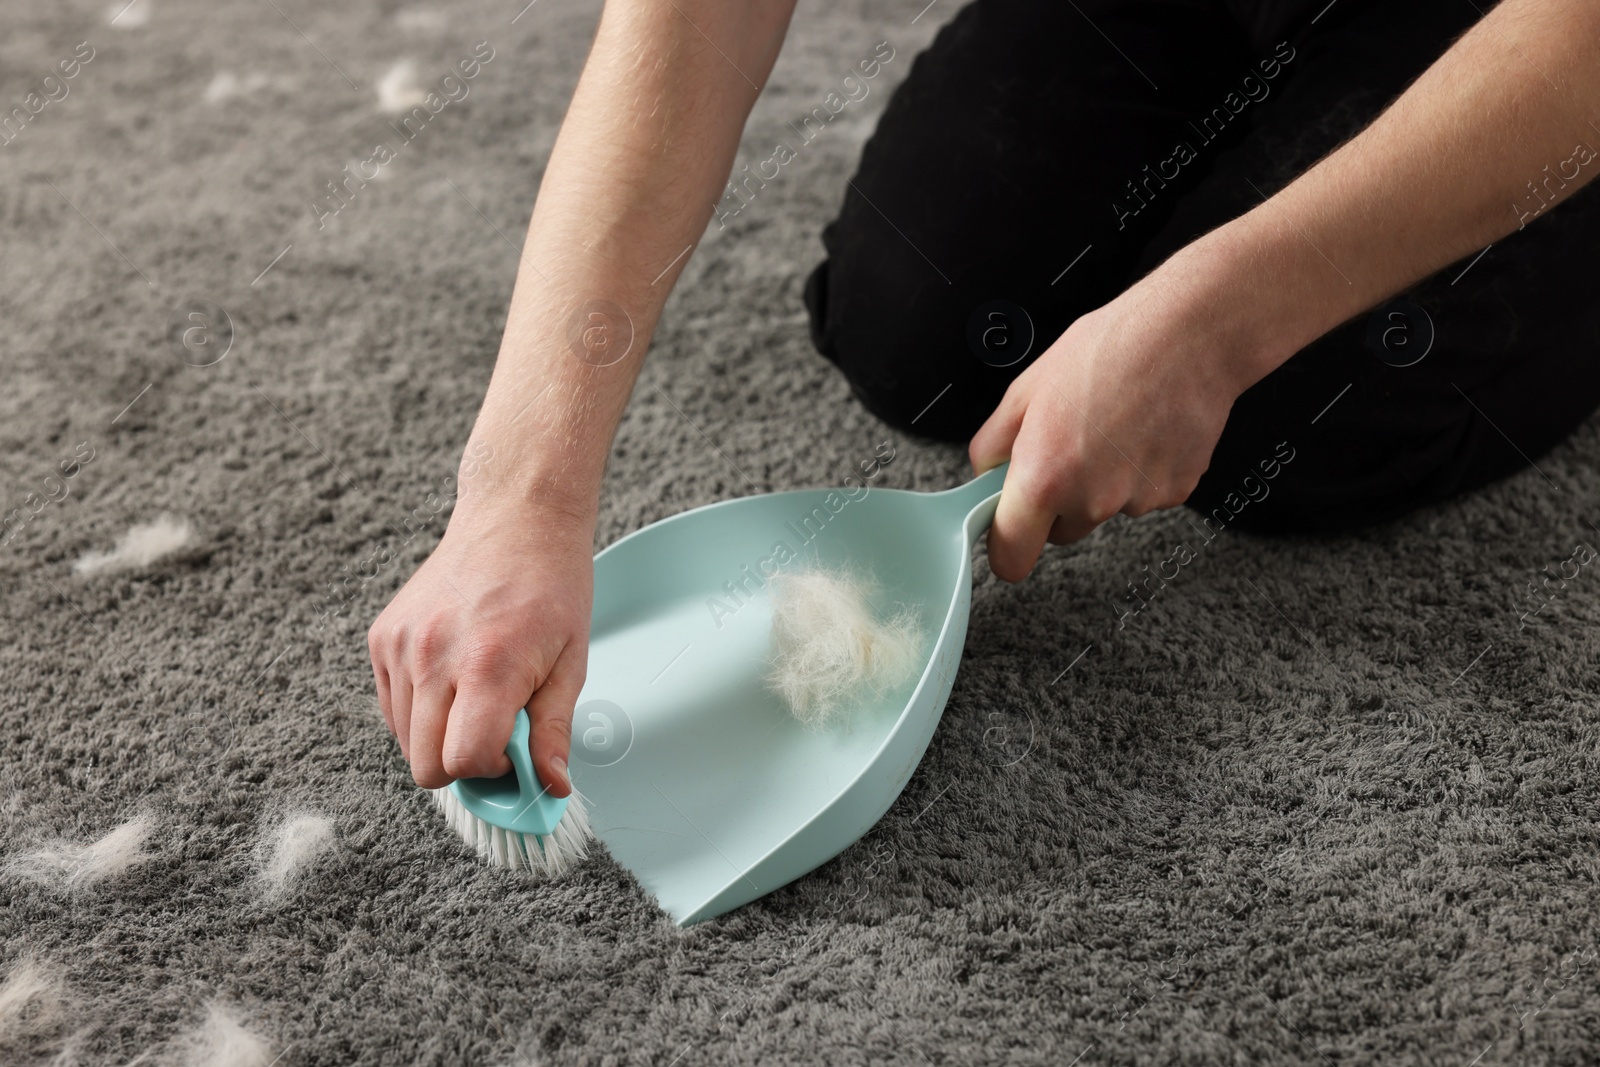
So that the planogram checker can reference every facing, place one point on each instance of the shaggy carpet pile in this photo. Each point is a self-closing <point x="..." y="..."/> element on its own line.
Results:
<point x="1328" y="800"/>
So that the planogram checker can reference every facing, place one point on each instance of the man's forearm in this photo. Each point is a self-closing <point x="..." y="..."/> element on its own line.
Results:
<point x="1494" y="133"/>
<point x="642" y="155"/>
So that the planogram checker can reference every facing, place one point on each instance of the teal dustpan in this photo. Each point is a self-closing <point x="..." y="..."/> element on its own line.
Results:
<point x="699" y="780"/>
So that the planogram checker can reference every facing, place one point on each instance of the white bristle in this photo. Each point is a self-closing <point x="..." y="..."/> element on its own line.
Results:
<point x="543" y="857"/>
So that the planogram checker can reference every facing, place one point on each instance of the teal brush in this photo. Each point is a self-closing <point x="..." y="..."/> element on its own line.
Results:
<point x="511" y="821"/>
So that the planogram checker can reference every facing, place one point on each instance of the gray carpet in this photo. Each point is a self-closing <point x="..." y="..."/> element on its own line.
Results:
<point x="1325" y="801"/>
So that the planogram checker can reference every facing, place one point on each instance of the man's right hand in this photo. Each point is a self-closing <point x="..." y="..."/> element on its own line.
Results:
<point x="497" y="619"/>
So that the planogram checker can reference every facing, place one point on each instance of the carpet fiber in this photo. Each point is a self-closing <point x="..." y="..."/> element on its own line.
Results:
<point x="1323" y="801"/>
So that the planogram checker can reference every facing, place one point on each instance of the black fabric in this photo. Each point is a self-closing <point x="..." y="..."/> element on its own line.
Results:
<point x="1266" y="22"/>
<point x="1029" y="132"/>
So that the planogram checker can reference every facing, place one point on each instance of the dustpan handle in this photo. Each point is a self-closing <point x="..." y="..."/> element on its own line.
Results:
<point x="982" y="492"/>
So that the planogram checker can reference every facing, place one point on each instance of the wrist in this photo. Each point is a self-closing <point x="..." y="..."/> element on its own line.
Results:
<point x="1263" y="292"/>
<point x="501" y="484"/>
<point x="541" y="439"/>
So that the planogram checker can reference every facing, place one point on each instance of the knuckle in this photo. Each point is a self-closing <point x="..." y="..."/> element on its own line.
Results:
<point x="1152" y="499"/>
<point x="464" y="763"/>
<point x="486" y="658"/>
<point x="429" y="643"/>
<point x="1102" y="504"/>
<point x="430" y="777"/>
<point x="1058" y="478"/>
<point x="383" y="639"/>
<point x="1040" y="489"/>
<point x="558" y="729"/>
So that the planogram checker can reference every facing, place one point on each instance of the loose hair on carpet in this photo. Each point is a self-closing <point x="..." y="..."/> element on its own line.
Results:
<point x="73" y="865"/>
<point x="222" y="1040"/>
<point x="31" y="1003"/>
<point x="141" y="546"/>
<point x="292" y="845"/>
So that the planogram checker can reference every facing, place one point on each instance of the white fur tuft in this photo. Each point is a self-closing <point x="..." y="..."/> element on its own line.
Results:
<point x="301" y="838"/>
<point x="30" y="1003"/>
<point x="224" y="1042"/>
<point x="73" y="865"/>
<point x="139" y="547"/>
<point x="399" y="90"/>
<point x="543" y="857"/>
<point x="831" y="648"/>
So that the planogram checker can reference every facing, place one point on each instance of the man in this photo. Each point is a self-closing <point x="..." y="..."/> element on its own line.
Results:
<point x="1107" y="183"/>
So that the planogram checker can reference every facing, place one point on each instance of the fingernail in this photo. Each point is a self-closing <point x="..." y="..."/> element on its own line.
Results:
<point x="559" y="765"/>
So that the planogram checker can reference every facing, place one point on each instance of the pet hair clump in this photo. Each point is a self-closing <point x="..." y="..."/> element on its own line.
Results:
<point x="71" y="865"/>
<point x="833" y="651"/>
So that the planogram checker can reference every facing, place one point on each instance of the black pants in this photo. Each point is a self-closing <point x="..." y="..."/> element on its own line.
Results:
<point x="1028" y="168"/>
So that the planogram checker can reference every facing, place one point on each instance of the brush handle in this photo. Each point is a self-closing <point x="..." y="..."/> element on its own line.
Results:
<point x="515" y="801"/>
<point x="521" y="758"/>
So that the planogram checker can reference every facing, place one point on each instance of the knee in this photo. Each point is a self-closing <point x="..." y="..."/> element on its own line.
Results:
<point x="902" y="346"/>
